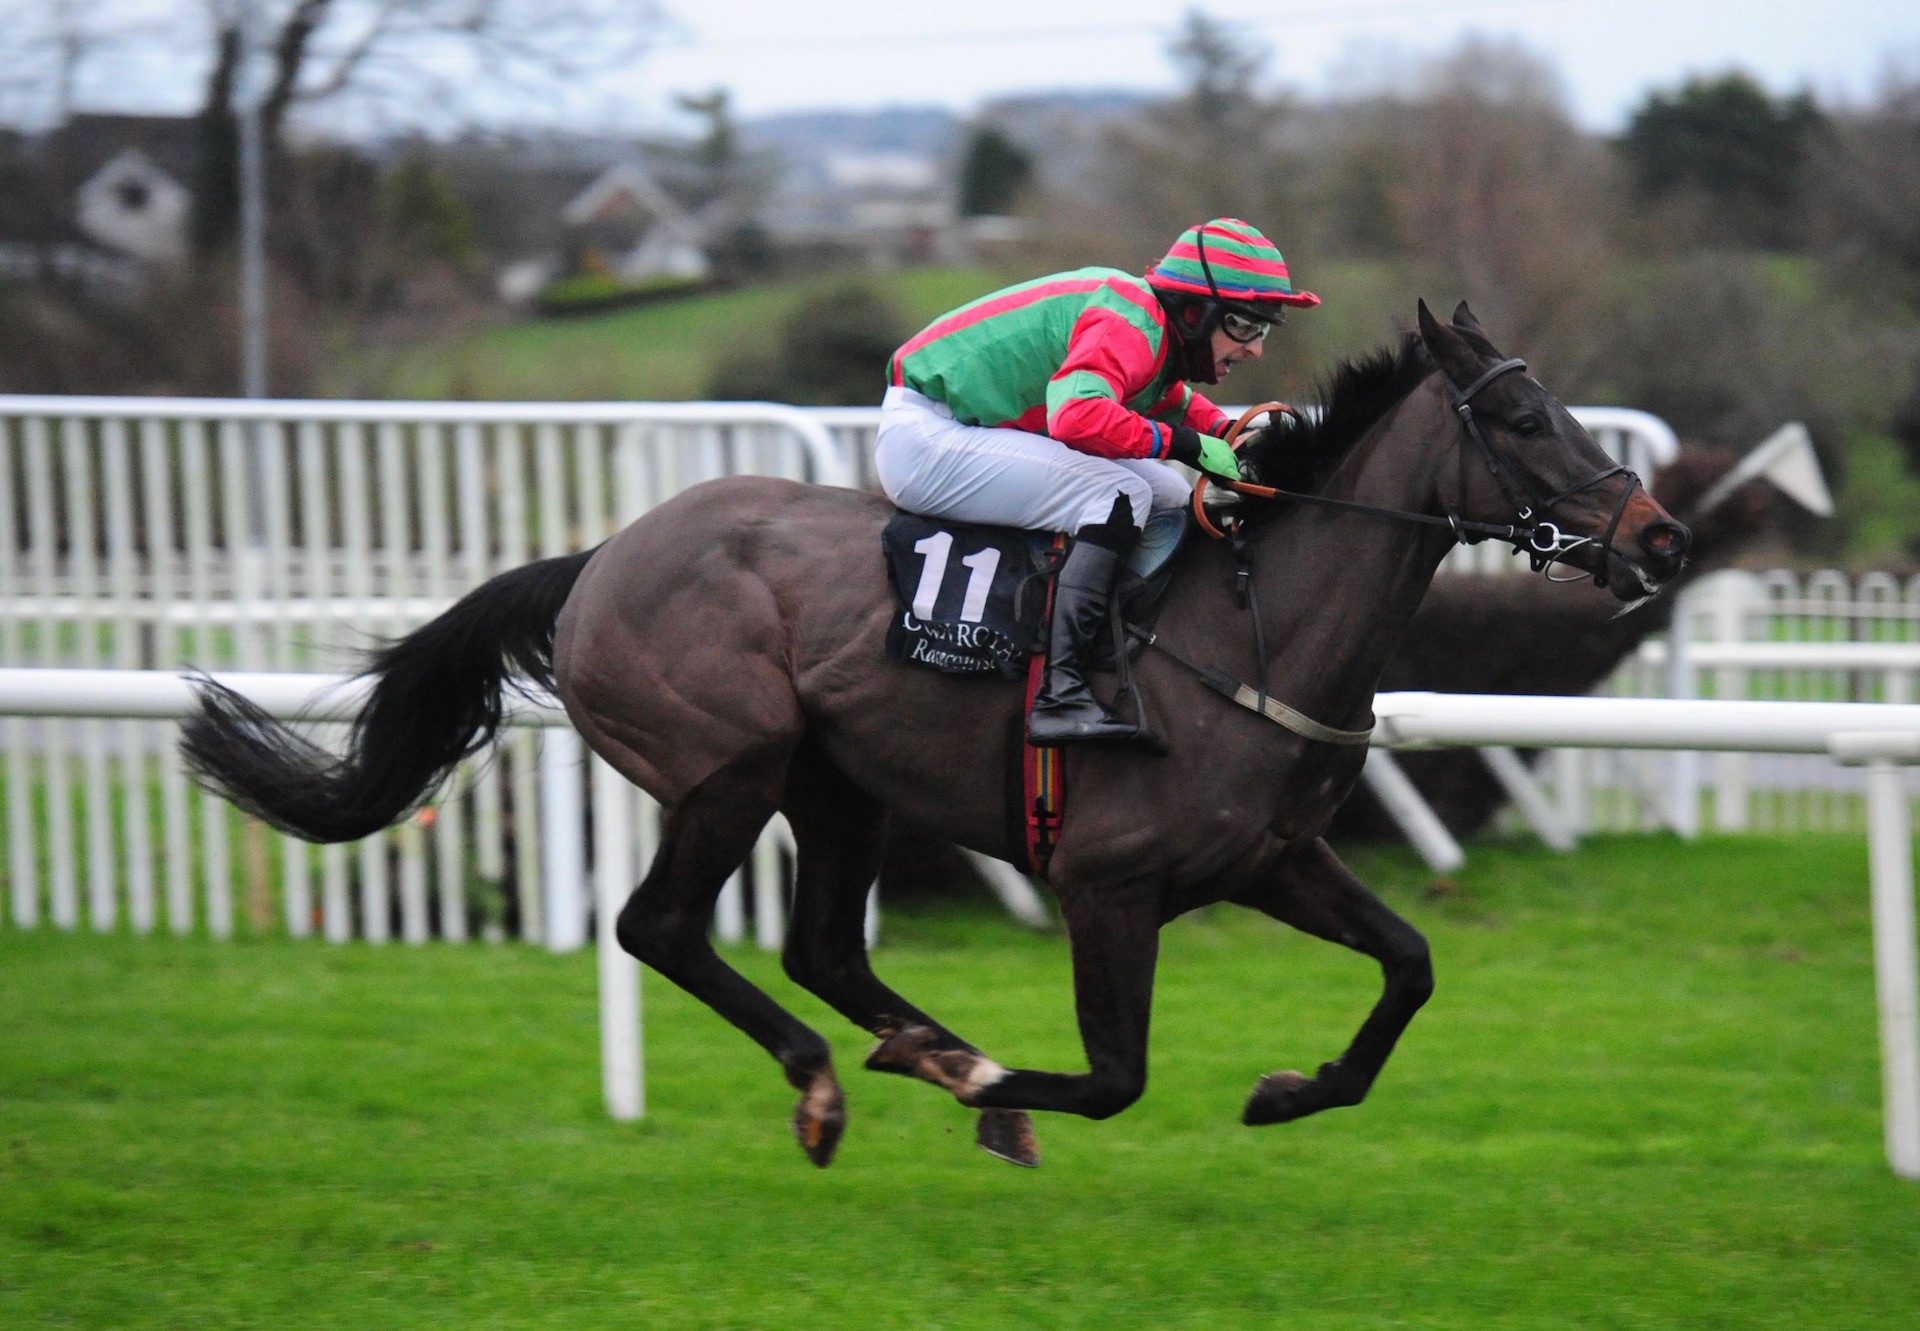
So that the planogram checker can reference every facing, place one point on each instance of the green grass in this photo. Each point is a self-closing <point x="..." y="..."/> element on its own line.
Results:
<point x="1645" y="1095"/>
<point x="662" y="352"/>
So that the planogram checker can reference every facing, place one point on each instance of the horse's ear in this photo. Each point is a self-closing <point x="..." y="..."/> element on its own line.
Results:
<point x="1429" y="326"/>
<point x="1463" y="319"/>
<point x="1448" y="348"/>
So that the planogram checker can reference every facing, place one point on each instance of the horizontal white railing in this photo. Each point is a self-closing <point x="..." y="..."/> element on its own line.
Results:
<point x="1429" y="720"/>
<point x="164" y="532"/>
<point x="828" y="458"/>
<point x="1817" y="637"/>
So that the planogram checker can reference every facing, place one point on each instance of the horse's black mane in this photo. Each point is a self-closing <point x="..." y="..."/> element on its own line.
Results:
<point x="1352" y="399"/>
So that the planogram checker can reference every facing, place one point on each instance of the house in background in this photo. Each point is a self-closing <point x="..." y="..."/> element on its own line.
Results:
<point x="623" y="223"/>
<point x="133" y="206"/>
<point x="626" y="224"/>
<point x="103" y="201"/>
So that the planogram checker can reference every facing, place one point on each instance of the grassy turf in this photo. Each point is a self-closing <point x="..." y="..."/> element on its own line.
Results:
<point x="1645" y="1095"/>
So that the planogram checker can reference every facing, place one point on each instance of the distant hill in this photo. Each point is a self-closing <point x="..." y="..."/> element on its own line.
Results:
<point x="805" y="136"/>
<point x="1046" y="124"/>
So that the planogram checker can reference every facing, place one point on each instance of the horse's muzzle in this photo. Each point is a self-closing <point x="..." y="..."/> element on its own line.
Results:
<point x="1647" y="551"/>
<point x="1665" y="543"/>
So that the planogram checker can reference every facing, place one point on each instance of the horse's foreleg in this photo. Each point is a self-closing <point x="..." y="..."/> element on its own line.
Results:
<point x="837" y="831"/>
<point x="1309" y="888"/>
<point x="1115" y="941"/>
<point x="665" y="923"/>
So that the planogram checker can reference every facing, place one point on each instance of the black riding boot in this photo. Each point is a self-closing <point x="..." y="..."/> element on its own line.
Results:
<point x="1065" y="710"/>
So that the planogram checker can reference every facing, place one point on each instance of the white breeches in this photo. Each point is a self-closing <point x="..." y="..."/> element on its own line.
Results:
<point x="931" y="464"/>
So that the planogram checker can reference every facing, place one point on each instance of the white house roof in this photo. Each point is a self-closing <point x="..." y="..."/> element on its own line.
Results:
<point x="626" y="178"/>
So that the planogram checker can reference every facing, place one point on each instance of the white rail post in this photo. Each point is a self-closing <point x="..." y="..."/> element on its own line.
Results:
<point x="1734" y="596"/>
<point x="1895" y="973"/>
<point x="562" y="822"/>
<point x="1683" y="806"/>
<point x="1414" y="816"/>
<point x="622" y="1066"/>
<point x="1528" y="798"/>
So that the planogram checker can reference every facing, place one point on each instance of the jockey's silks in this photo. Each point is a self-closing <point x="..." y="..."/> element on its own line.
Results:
<point x="1083" y="357"/>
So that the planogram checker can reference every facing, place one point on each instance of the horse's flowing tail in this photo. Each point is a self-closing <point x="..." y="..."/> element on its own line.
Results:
<point x="438" y="697"/>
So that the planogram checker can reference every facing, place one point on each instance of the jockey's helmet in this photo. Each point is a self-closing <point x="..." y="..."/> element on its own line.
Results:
<point x="1216" y="269"/>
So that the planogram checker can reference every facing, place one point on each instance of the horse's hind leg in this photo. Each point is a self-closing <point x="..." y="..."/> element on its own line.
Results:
<point x="1309" y="888"/>
<point x="664" y="923"/>
<point x="837" y="830"/>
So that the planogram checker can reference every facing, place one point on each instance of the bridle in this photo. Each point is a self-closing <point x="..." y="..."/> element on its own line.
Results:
<point x="1543" y="542"/>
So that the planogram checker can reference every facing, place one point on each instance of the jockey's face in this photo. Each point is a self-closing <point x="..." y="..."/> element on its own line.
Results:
<point x="1228" y="353"/>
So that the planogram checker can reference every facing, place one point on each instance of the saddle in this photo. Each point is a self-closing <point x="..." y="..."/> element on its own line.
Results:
<point x="971" y="599"/>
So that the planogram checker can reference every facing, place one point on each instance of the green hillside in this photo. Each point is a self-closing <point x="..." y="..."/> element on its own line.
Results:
<point x="669" y="352"/>
<point x="663" y="352"/>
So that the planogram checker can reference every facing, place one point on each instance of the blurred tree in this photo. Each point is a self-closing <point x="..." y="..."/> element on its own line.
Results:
<point x="716" y="152"/>
<point x="1726" y="140"/>
<point x="1220" y="148"/>
<point x="832" y="351"/>
<point x="1868" y="192"/>
<point x="994" y="172"/>
<point x="1220" y="64"/>
<point x="436" y="57"/>
<point x="47" y="48"/>
<point x="1477" y="180"/>
<point x="421" y="216"/>
<point x="728" y="184"/>
<point x="1905" y="426"/>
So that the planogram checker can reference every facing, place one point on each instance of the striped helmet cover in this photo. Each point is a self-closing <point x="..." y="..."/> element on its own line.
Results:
<point x="1244" y="265"/>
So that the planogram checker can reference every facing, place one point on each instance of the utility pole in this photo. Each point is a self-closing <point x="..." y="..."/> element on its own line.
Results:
<point x="248" y="549"/>
<point x="253" y="216"/>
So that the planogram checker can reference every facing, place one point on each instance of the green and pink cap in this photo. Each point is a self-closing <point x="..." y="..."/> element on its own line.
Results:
<point x="1243" y="265"/>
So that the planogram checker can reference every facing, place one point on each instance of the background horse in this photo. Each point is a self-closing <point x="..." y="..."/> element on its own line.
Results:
<point x="724" y="653"/>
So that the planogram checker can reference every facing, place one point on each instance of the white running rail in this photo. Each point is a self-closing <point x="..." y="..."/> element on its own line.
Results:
<point x="227" y="534"/>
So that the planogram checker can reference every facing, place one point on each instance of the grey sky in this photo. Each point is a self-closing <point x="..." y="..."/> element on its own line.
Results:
<point x="868" y="52"/>
<point x="779" y="55"/>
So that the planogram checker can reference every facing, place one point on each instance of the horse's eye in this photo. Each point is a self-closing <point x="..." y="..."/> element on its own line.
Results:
<point x="1529" y="425"/>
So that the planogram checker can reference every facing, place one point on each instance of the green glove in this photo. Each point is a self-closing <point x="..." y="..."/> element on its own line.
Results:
<point x="1216" y="458"/>
<point x="1211" y="455"/>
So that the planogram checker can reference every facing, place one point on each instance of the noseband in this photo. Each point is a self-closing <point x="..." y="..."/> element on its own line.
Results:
<point x="1543" y="542"/>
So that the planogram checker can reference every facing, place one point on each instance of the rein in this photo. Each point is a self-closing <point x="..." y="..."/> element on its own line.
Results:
<point x="1541" y="541"/>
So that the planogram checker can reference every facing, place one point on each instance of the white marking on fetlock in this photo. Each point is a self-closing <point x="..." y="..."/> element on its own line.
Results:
<point x="984" y="1073"/>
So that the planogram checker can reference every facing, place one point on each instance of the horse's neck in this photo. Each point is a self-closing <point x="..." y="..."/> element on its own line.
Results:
<point x="1336" y="588"/>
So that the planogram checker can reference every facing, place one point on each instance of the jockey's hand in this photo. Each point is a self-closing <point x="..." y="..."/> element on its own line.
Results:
<point x="1203" y="451"/>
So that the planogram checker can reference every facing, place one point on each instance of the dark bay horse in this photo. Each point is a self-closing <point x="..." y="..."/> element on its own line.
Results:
<point x="724" y="654"/>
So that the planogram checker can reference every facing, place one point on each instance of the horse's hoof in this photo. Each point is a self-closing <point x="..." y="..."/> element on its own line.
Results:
<point x="1008" y="1133"/>
<point x="1278" y="1097"/>
<point x="903" y="1051"/>
<point x="820" y="1118"/>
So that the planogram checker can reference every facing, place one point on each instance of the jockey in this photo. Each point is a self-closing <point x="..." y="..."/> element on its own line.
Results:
<point x="1049" y="405"/>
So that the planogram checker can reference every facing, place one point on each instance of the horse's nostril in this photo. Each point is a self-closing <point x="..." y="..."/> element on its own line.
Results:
<point x="1665" y="540"/>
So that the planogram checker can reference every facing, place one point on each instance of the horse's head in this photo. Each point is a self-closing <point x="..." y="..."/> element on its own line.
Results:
<point x="1525" y="459"/>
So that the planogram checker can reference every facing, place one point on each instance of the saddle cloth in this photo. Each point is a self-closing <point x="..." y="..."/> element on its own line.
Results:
<point x="971" y="599"/>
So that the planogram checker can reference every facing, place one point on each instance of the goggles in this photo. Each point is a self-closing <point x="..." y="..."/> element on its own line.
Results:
<point x="1245" y="329"/>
